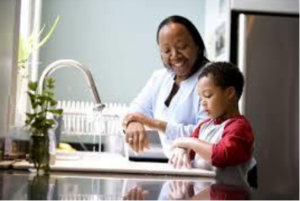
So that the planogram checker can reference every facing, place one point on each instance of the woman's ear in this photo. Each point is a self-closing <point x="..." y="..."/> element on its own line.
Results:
<point x="200" y="52"/>
<point x="164" y="63"/>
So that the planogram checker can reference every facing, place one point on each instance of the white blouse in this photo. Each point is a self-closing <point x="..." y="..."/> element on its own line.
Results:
<point x="184" y="112"/>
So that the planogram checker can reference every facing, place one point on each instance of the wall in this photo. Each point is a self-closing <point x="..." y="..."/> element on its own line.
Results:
<point x="116" y="39"/>
<point x="9" y="21"/>
<point x="217" y="27"/>
<point x="267" y="6"/>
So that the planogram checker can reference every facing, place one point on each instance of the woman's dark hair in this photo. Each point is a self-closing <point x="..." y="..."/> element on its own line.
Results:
<point x="224" y="75"/>
<point x="194" y="33"/>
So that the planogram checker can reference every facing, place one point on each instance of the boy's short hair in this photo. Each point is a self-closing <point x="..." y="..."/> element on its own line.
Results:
<point x="225" y="75"/>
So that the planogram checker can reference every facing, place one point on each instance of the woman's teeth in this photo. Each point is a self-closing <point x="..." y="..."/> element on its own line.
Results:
<point x="178" y="64"/>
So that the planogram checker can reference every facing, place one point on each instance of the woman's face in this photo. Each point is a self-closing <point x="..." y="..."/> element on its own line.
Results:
<point x="178" y="49"/>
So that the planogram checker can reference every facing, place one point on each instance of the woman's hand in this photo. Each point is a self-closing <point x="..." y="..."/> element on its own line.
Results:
<point x="146" y="121"/>
<point x="135" y="117"/>
<point x="136" y="136"/>
<point x="180" y="158"/>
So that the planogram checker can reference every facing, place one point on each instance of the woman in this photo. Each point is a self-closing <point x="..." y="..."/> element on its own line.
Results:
<point x="169" y="102"/>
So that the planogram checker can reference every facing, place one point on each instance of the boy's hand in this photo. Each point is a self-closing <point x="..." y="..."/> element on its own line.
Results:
<point x="183" y="142"/>
<point x="179" y="190"/>
<point x="180" y="158"/>
<point x="136" y="193"/>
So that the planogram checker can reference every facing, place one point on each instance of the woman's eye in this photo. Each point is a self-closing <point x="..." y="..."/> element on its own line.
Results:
<point x="182" y="46"/>
<point x="165" y="51"/>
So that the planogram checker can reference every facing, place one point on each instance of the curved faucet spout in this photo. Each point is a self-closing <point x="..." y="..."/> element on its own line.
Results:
<point x="74" y="64"/>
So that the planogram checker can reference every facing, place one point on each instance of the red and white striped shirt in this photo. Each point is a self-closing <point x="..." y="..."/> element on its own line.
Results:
<point x="232" y="140"/>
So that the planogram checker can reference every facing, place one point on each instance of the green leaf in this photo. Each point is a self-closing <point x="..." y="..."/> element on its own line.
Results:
<point x="50" y="83"/>
<point x="41" y="114"/>
<point x="53" y="102"/>
<point x="56" y="111"/>
<point x="27" y="122"/>
<point x="23" y="52"/>
<point x="34" y="106"/>
<point x="42" y="99"/>
<point x="39" y="122"/>
<point x="50" y="121"/>
<point x="49" y="93"/>
<point x="34" y="37"/>
<point x="48" y="35"/>
<point x="30" y="115"/>
<point x="32" y="98"/>
<point x="32" y="86"/>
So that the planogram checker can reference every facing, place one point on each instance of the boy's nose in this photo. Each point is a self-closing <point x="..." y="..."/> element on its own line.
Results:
<point x="203" y="102"/>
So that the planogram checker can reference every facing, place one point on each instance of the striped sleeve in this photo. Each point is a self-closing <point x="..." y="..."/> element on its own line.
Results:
<point x="236" y="144"/>
<point x="195" y="134"/>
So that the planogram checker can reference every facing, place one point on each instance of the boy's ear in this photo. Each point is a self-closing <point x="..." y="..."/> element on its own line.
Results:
<point x="231" y="93"/>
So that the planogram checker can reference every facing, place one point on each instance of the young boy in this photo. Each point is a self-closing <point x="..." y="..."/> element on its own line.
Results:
<point x="225" y="139"/>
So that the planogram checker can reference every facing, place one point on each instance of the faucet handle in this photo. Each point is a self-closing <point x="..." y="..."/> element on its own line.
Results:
<point x="99" y="107"/>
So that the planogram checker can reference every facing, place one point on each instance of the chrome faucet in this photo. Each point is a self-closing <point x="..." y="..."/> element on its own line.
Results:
<point x="74" y="64"/>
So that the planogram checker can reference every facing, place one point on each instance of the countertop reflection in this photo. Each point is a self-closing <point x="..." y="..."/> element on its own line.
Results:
<point x="21" y="185"/>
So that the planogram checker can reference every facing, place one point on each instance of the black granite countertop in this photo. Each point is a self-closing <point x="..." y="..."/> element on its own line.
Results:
<point x="21" y="185"/>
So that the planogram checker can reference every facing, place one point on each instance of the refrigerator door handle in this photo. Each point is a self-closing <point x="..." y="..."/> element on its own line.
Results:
<point x="242" y="48"/>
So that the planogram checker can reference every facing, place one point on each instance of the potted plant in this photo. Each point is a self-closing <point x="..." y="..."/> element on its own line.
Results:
<point x="39" y="122"/>
<point x="27" y="46"/>
<point x="41" y="119"/>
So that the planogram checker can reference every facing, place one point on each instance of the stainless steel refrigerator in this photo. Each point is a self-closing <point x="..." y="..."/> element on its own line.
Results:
<point x="265" y="45"/>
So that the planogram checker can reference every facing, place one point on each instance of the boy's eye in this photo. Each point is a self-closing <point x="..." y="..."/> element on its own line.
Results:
<point x="207" y="95"/>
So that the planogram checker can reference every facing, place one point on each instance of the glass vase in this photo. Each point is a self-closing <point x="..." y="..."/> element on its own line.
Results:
<point x="38" y="187"/>
<point x="39" y="153"/>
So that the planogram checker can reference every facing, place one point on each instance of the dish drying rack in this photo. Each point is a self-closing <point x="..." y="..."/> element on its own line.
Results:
<point x="79" y="120"/>
<point x="90" y="197"/>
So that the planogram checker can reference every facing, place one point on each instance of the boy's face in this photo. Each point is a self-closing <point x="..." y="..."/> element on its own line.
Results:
<point x="214" y="99"/>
